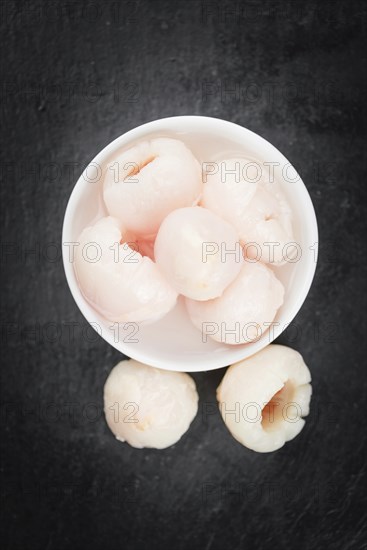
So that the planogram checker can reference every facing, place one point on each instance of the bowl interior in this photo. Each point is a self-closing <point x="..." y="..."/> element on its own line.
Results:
<point x="173" y="342"/>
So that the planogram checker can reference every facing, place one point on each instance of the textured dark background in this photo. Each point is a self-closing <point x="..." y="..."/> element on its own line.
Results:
<point x="75" y="75"/>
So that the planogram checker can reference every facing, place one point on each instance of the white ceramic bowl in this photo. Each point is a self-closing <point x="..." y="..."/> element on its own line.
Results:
<point x="173" y="343"/>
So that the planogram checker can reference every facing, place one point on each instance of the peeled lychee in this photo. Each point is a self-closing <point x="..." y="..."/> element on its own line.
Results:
<point x="150" y="180"/>
<point x="118" y="281"/>
<point x="198" y="252"/>
<point x="255" y="206"/>
<point x="262" y="399"/>
<point x="149" y="407"/>
<point x="245" y="310"/>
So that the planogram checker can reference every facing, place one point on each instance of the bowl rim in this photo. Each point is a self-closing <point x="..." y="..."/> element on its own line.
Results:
<point x="93" y="318"/>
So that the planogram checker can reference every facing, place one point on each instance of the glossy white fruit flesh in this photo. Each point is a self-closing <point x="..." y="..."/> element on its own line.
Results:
<point x="269" y="393"/>
<point x="198" y="252"/>
<point x="149" y="407"/>
<point x="120" y="283"/>
<point x="257" y="209"/>
<point x="150" y="180"/>
<point x="245" y="310"/>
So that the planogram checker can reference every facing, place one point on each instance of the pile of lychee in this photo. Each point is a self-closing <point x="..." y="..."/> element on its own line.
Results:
<point x="174" y="228"/>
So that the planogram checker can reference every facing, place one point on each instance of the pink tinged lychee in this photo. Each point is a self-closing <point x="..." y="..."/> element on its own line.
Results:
<point x="118" y="281"/>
